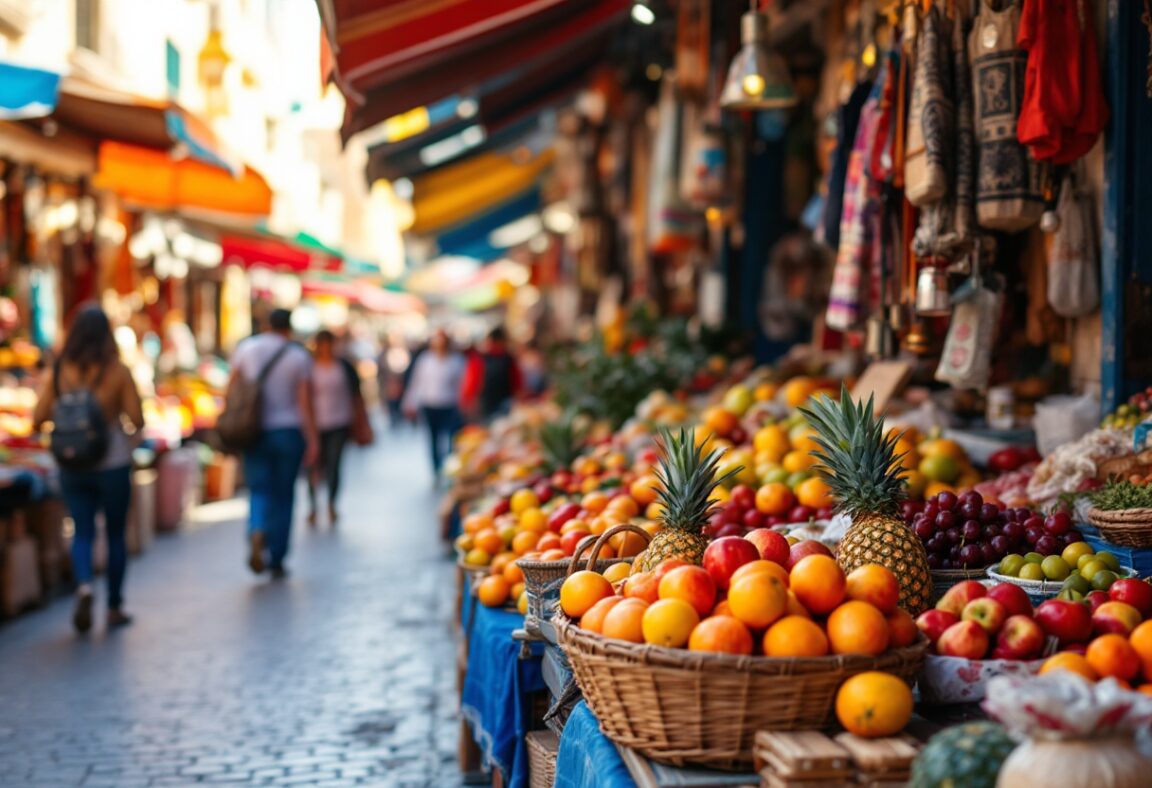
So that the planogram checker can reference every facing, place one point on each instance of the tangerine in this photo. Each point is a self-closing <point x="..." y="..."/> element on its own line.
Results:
<point x="627" y="544"/>
<point x="902" y="629"/>
<point x="524" y="542"/>
<point x="772" y="441"/>
<point x="795" y="636"/>
<point x="669" y="623"/>
<point x="489" y="541"/>
<point x="645" y="489"/>
<point x="501" y="560"/>
<point x="617" y="572"/>
<point x="581" y="590"/>
<point x="794" y="607"/>
<point x="477" y="522"/>
<point x="548" y="542"/>
<point x="722" y="608"/>
<point x="477" y="557"/>
<point x="857" y="628"/>
<point x="593" y="620"/>
<point x="625" y="621"/>
<point x="758" y="599"/>
<point x="594" y="501"/>
<point x="513" y="573"/>
<point x="522" y="500"/>
<point x="719" y="421"/>
<point x="493" y="591"/>
<point x="803" y="439"/>
<point x="814" y="493"/>
<point x="775" y="498"/>
<point x="721" y="634"/>
<point x="623" y="506"/>
<point x="874" y="704"/>
<point x="876" y="585"/>
<point x="758" y="566"/>
<point x="1071" y="662"/>
<point x="818" y="582"/>
<point x="1112" y="655"/>
<point x="796" y="461"/>
<point x="533" y="520"/>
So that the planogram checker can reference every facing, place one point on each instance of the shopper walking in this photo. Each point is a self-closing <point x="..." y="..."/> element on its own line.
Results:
<point x="434" y="392"/>
<point x="492" y="378"/>
<point x="88" y="395"/>
<point x="288" y="438"/>
<point x="339" y="404"/>
<point x="392" y="371"/>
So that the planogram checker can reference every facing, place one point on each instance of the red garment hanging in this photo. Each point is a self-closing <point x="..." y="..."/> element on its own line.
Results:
<point x="1064" y="109"/>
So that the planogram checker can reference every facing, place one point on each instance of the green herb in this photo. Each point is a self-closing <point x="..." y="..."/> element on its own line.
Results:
<point x="1117" y="495"/>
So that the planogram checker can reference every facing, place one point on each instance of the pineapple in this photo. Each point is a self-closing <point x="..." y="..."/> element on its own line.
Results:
<point x="687" y="478"/>
<point x="861" y="467"/>
<point x="560" y="442"/>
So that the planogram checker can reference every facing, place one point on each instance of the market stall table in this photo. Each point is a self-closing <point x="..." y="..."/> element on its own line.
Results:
<point x="497" y="689"/>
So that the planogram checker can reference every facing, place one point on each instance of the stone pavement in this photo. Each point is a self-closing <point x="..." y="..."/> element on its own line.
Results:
<point x="344" y="674"/>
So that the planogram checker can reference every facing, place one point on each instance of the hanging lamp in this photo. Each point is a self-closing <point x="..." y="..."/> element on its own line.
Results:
<point x="758" y="78"/>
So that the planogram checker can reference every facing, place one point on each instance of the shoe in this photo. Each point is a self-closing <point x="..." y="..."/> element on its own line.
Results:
<point x="256" y="552"/>
<point x="333" y="515"/>
<point x="82" y="615"/>
<point x="118" y="618"/>
<point x="279" y="573"/>
<point x="312" y="519"/>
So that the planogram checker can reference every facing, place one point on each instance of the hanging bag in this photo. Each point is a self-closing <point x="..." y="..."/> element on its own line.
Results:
<point x="242" y="421"/>
<point x="925" y="163"/>
<point x="79" y="429"/>
<point x="1073" y="269"/>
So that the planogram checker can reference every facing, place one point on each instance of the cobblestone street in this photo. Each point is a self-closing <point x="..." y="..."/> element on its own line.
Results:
<point x="341" y="675"/>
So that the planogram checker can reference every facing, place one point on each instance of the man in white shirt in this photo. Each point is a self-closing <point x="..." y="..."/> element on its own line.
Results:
<point x="434" y="393"/>
<point x="288" y="440"/>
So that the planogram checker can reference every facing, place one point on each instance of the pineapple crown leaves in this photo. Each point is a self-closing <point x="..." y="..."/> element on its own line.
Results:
<point x="856" y="459"/>
<point x="561" y="441"/>
<point x="687" y="478"/>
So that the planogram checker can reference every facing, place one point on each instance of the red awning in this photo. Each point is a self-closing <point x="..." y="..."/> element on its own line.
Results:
<point x="252" y="252"/>
<point x="368" y="295"/>
<point x="437" y="72"/>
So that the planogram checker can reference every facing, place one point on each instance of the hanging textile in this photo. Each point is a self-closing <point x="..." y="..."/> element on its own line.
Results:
<point x="966" y="361"/>
<point x="1064" y="108"/>
<point x="1073" y="267"/>
<point x="847" y="122"/>
<point x="1009" y="193"/>
<point x="931" y="116"/>
<point x="672" y="224"/>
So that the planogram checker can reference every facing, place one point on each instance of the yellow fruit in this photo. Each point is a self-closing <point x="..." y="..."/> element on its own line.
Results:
<point x="916" y="482"/>
<point x="766" y="392"/>
<point x="522" y="603"/>
<point x="942" y="447"/>
<point x="798" y="390"/>
<point x="772" y="442"/>
<point x="533" y="520"/>
<point x="798" y="461"/>
<point x="940" y="468"/>
<point x="478" y="557"/>
<point x="617" y="572"/>
<point x="522" y="500"/>
<point x="493" y="591"/>
<point x="874" y="704"/>
<point x="803" y="439"/>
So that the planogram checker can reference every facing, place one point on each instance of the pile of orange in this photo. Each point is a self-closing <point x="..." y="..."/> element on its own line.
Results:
<point x="1128" y="659"/>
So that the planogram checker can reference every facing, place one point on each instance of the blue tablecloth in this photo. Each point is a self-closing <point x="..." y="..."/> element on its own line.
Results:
<point x="496" y="689"/>
<point x="587" y="759"/>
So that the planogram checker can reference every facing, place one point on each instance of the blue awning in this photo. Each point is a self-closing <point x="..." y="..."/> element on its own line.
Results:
<point x="27" y="92"/>
<point x="472" y="239"/>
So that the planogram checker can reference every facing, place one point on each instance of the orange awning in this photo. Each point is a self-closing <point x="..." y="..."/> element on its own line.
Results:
<point x="152" y="179"/>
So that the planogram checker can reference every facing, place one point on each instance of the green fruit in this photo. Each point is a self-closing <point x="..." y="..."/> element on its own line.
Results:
<point x="968" y="756"/>
<point x="1077" y="583"/>
<point x="1033" y="558"/>
<point x="1055" y="567"/>
<point x="940" y="468"/>
<point x="1031" y="572"/>
<point x="1070" y="595"/>
<point x="1010" y="565"/>
<point x="776" y="475"/>
<point x="1090" y="568"/>
<point x="1103" y="579"/>
<point x="796" y="478"/>
<point x="1109" y="560"/>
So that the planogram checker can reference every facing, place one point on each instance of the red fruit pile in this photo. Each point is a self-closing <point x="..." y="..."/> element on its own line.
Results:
<point x="975" y="622"/>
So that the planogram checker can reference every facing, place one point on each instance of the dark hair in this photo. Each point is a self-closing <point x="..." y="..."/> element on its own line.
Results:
<point x="498" y="334"/>
<point x="90" y="342"/>
<point x="324" y="335"/>
<point x="280" y="319"/>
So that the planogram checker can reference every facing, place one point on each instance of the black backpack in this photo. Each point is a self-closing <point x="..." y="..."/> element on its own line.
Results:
<point x="80" y="431"/>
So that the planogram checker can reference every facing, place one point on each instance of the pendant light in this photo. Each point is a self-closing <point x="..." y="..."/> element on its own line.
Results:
<point x="758" y="78"/>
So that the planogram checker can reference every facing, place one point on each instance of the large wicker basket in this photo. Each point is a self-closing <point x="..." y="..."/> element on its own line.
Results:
<point x="543" y="747"/>
<point x="1125" y="527"/>
<point x="687" y="707"/>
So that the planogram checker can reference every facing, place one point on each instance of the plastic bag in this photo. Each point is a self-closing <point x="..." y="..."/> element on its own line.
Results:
<point x="1064" y="419"/>
<point x="1073" y="268"/>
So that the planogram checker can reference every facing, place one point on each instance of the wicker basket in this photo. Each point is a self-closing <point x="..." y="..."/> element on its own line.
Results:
<point x="542" y="579"/>
<point x="688" y="707"/>
<point x="1125" y="527"/>
<point x="543" y="747"/>
<point x="943" y="579"/>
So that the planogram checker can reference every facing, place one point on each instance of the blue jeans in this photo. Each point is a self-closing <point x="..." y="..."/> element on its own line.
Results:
<point x="89" y="492"/>
<point x="270" y="468"/>
<point x="442" y="425"/>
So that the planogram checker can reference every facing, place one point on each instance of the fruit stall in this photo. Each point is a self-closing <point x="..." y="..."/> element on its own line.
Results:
<point x="765" y="580"/>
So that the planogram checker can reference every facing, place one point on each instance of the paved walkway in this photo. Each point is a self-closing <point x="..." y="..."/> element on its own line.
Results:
<point x="341" y="675"/>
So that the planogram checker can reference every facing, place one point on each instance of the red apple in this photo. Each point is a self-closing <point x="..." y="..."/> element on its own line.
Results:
<point x="693" y="584"/>
<point x="1117" y="617"/>
<point x="1095" y="599"/>
<point x="772" y="545"/>
<point x="503" y="506"/>
<point x="803" y="550"/>
<point x="1019" y="638"/>
<point x="570" y="540"/>
<point x="800" y="514"/>
<point x="986" y="612"/>
<point x="667" y="566"/>
<point x="933" y="623"/>
<point x="1071" y="622"/>
<point x="1014" y="599"/>
<point x="724" y="556"/>
<point x="743" y="497"/>
<point x="966" y="639"/>
<point x="958" y="596"/>
<point x="1137" y="593"/>
<point x="561" y="515"/>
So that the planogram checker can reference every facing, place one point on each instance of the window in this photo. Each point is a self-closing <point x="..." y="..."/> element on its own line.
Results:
<point x="88" y="25"/>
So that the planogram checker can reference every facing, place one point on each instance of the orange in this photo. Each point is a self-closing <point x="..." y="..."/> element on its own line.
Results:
<point x="1112" y="655"/>
<point x="772" y="441"/>
<point x="857" y="628"/>
<point x="874" y="704"/>
<point x="524" y="541"/>
<point x="942" y="447"/>
<point x="617" y="572"/>
<point x="795" y="461"/>
<point x="586" y="466"/>
<point x="720" y="495"/>
<point x="625" y="621"/>
<point x="477" y="557"/>
<point x="722" y="634"/>
<point x="489" y="541"/>
<point x="553" y="554"/>
<point x="533" y="520"/>
<point x="1146" y="689"/>
<point x="644" y="489"/>
<point x="669" y="623"/>
<point x="797" y="390"/>
<point x="1071" y="662"/>
<point x="916" y="483"/>
<point x="627" y="544"/>
<point x="501" y="560"/>
<point x="593" y="620"/>
<point x="594" y="501"/>
<point x="589" y="485"/>
<point x="794" y="607"/>
<point x="935" y="488"/>
<point x="722" y="608"/>
<point x="477" y="522"/>
<point x="758" y="599"/>
<point x="656" y="509"/>
<point x="765" y="392"/>
<point x="804" y="439"/>
<point x="775" y="498"/>
<point x="493" y="591"/>
<point x="624" y="505"/>
<point x="517" y="590"/>
<point x="906" y="447"/>
<point x="1141" y="640"/>
<point x="581" y="590"/>
<point x="575" y="524"/>
<point x="513" y="573"/>
<point x="719" y="421"/>
<point x="761" y="565"/>
<point x="902" y="629"/>
<point x="795" y="636"/>
<point x="522" y="500"/>
<point x="815" y="493"/>
<point x="615" y="460"/>
<point x="876" y="585"/>
<point x="522" y="604"/>
<point x="818" y="583"/>
<point x="547" y="542"/>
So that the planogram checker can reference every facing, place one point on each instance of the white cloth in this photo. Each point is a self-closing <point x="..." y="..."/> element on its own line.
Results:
<point x="435" y="381"/>
<point x="281" y="390"/>
<point x="332" y="397"/>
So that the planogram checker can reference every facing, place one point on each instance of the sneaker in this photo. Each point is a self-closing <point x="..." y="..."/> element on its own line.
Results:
<point x="256" y="552"/>
<point x="279" y="573"/>
<point x="118" y="618"/>
<point x="82" y="615"/>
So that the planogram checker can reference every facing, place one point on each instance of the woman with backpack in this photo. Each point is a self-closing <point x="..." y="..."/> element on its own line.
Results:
<point x="340" y="413"/>
<point x="89" y="395"/>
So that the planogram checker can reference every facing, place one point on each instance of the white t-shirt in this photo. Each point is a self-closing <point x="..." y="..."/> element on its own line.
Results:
<point x="281" y="404"/>
<point x="333" y="396"/>
<point x="435" y="381"/>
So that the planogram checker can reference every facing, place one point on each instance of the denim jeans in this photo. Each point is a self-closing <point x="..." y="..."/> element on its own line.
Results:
<point x="270" y="468"/>
<point x="86" y="493"/>
<point x="442" y="425"/>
